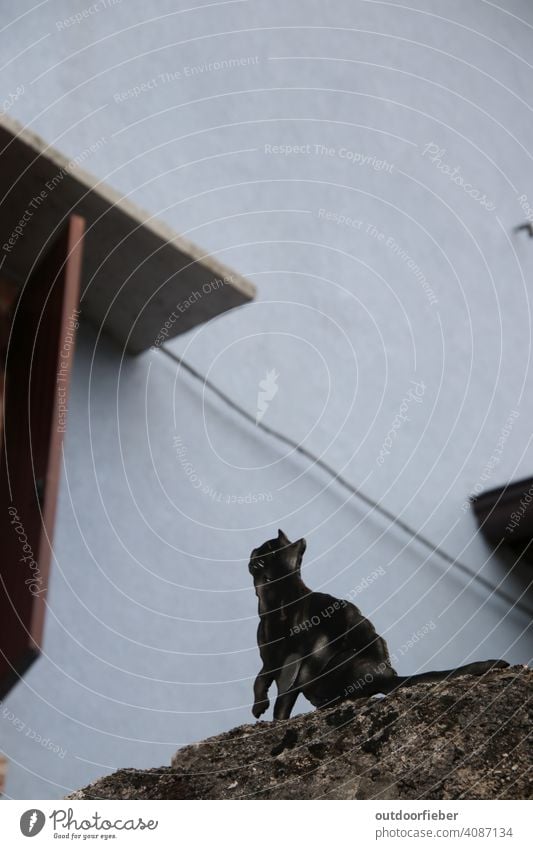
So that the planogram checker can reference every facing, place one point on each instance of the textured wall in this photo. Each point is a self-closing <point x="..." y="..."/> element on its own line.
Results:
<point x="363" y="164"/>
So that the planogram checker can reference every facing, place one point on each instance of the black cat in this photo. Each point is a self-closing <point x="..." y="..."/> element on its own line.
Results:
<point x="318" y="645"/>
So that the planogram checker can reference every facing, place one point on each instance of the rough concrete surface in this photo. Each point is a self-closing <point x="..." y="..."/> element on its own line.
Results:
<point x="468" y="738"/>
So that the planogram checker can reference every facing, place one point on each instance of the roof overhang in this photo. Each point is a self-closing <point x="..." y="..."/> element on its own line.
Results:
<point x="141" y="282"/>
<point x="506" y="513"/>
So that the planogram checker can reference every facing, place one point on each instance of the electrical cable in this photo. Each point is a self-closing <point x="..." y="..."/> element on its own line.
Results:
<point x="370" y="502"/>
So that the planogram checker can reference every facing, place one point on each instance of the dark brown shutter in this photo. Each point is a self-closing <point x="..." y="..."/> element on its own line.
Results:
<point x="38" y="365"/>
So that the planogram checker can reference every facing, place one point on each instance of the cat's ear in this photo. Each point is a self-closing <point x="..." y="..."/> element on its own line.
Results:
<point x="283" y="539"/>
<point x="293" y="553"/>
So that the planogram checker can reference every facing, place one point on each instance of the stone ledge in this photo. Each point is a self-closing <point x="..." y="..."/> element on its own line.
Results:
<point x="468" y="738"/>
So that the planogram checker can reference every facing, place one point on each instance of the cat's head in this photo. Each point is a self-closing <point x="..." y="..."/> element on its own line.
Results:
<point x="277" y="559"/>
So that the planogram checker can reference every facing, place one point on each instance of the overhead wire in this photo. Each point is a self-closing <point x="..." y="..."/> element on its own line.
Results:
<point x="342" y="481"/>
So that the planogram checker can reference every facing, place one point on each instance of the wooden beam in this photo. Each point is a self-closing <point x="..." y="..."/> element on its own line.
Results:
<point x="141" y="282"/>
<point x="3" y="773"/>
<point x="39" y="361"/>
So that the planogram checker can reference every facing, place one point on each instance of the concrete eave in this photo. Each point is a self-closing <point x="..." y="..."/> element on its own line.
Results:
<point x="136" y="271"/>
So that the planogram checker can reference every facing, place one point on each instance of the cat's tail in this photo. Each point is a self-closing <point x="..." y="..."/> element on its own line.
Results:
<point x="396" y="682"/>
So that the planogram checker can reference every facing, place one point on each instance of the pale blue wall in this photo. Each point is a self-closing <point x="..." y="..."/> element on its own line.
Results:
<point x="150" y="639"/>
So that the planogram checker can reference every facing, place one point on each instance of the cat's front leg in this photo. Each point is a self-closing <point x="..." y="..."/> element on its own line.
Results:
<point x="288" y="689"/>
<point x="261" y="686"/>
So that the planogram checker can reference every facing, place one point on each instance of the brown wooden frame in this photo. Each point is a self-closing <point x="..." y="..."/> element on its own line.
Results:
<point x="36" y="389"/>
